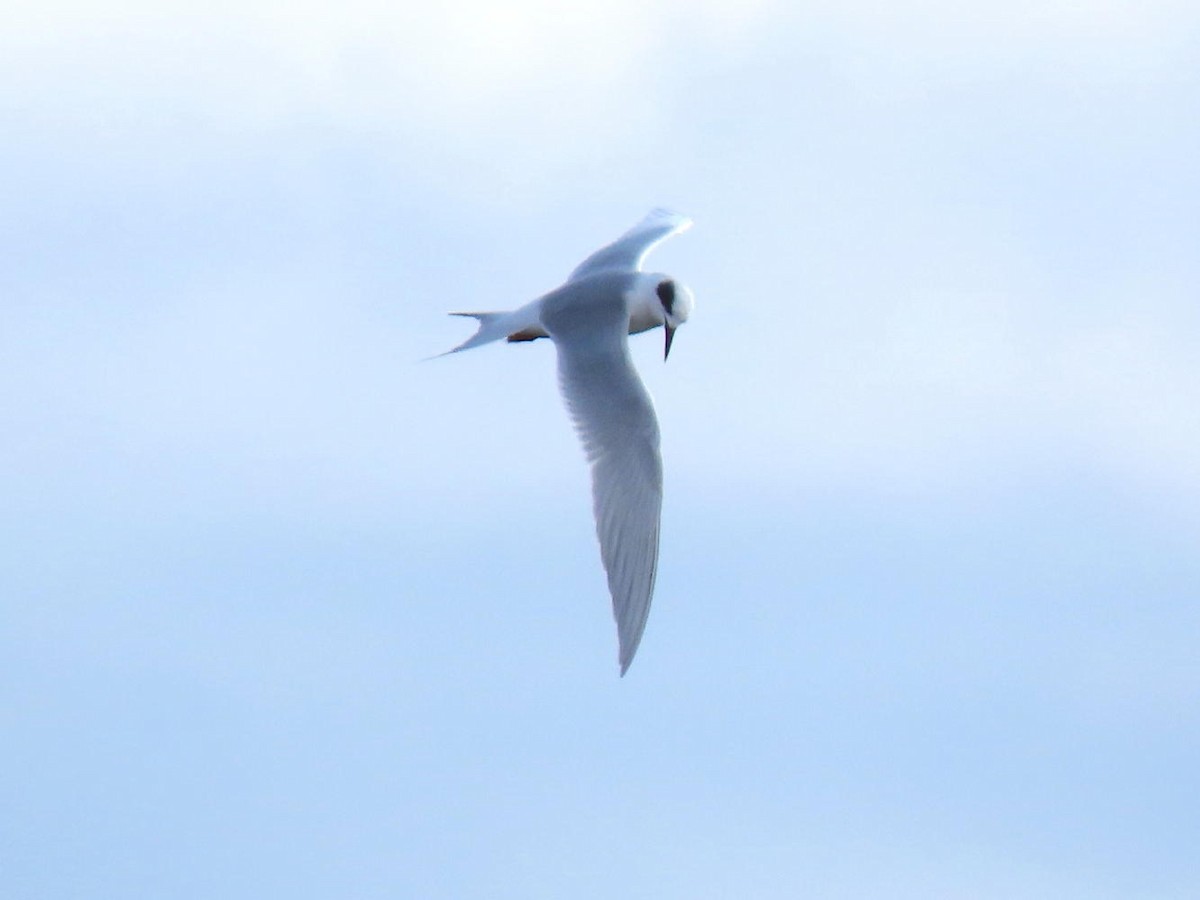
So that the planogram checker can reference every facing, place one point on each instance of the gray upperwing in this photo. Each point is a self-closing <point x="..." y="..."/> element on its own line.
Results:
<point x="614" y="416"/>
<point x="628" y="251"/>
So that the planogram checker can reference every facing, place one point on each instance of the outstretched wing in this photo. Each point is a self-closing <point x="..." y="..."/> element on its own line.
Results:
<point x="628" y="251"/>
<point x="615" y="419"/>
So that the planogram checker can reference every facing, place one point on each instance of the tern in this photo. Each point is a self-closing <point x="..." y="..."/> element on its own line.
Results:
<point x="589" y="318"/>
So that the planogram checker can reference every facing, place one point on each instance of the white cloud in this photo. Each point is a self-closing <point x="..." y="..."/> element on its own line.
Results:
<point x="478" y="71"/>
<point x="962" y="371"/>
<point x="1134" y="385"/>
<point x="439" y="63"/>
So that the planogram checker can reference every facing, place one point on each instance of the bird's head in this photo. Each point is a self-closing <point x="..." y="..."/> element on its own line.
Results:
<point x="675" y="304"/>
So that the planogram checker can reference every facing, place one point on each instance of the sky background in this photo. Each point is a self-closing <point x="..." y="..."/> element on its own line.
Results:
<point x="287" y="612"/>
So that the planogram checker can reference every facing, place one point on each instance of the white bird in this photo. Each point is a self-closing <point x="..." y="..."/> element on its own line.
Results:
<point x="589" y="318"/>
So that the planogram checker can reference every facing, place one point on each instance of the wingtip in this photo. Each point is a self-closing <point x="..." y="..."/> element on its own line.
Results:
<point x="680" y="221"/>
<point x="625" y="662"/>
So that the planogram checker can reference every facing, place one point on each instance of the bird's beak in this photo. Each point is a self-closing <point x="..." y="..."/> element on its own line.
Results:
<point x="670" y="330"/>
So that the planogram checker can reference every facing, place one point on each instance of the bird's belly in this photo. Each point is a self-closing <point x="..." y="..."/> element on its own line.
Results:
<point x="640" y="321"/>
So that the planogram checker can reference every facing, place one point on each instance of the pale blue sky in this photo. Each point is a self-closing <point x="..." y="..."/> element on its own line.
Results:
<point x="285" y="611"/>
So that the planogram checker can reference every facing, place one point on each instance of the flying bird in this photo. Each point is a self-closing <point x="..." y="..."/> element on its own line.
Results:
<point x="606" y="298"/>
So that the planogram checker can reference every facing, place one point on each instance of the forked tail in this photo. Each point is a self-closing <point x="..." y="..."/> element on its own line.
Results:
<point x="522" y="324"/>
<point x="492" y="327"/>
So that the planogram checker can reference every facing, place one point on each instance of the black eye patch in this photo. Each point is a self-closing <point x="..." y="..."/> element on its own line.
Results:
<point x="666" y="294"/>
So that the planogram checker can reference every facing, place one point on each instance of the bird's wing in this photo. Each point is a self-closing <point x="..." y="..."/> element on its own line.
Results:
<point x="628" y="251"/>
<point x="614" y="416"/>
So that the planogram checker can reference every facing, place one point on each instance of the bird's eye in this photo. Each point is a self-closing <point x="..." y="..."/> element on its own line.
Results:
<point x="666" y="294"/>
